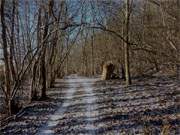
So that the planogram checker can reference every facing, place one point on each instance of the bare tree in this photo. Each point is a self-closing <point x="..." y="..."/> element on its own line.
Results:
<point x="178" y="41"/>
<point x="6" y="59"/>
<point x="43" y="57"/>
<point x="126" y="46"/>
<point x="12" y="51"/>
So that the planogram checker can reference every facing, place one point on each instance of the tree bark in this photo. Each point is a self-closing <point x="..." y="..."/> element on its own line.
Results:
<point x="33" y="95"/>
<point x="92" y="54"/>
<point x="43" y="58"/>
<point x="52" y="63"/>
<point x="11" y="58"/>
<point x="6" y="60"/>
<point x="178" y="40"/>
<point x="126" y="45"/>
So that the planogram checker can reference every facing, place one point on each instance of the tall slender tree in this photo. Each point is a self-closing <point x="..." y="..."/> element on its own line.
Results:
<point x="126" y="45"/>
<point x="6" y="58"/>
<point x="178" y="38"/>
<point x="43" y="56"/>
<point x="12" y="53"/>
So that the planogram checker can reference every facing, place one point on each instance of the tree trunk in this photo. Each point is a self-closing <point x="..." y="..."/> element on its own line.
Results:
<point x="178" y="40"/>
<point x="92" y="54"/>
<point x="6" y="60"/>
<point x="11" y="58"/>
<point x="122" y="72"/>
<point x="43" y="58"/>
<point x="43" y="74"/>
<point x="52" y="65"/>
<point x="126" y="46"/>
<point x="33" y="95"/>
<point x="36" y="75"/>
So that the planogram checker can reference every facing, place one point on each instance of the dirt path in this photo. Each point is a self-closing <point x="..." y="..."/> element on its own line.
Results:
<point x="87" y="106"/>
<point x="53" y="119"/>
<point x="91" y="106"/>
<point x="71" y="94"/>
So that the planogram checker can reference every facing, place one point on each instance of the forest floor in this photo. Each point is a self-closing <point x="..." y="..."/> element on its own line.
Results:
<point x="80" y="105"/>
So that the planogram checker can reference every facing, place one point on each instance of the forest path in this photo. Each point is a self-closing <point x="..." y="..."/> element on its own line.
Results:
<point x="80" y="91"/>
<point x="87" y="106"/>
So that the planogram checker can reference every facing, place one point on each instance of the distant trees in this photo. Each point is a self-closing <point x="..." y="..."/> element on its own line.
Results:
<point x="169" y="11"/>
<point x="152" y="37"/>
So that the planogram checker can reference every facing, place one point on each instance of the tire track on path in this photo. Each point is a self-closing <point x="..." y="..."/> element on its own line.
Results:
<point x="91" y="106"/>
<point x="53" y="119"/>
